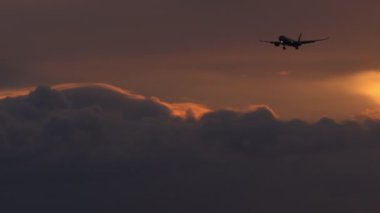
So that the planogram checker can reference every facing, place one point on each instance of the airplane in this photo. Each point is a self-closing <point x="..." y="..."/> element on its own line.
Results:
<point x="286" y="41"/>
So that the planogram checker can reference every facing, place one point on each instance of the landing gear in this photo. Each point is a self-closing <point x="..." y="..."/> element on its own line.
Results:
<point x="283" y="47"/>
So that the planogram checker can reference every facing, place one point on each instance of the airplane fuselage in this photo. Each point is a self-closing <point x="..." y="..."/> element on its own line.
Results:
<point x="286" y="41"/>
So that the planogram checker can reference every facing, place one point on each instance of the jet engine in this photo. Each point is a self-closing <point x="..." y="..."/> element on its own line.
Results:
<point x="276" y="44"/>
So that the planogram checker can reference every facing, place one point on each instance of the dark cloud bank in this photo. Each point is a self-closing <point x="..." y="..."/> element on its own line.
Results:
<point x="90" y="149"/>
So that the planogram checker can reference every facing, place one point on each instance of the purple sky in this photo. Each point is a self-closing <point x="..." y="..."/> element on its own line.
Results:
<point x="201" y="51"/>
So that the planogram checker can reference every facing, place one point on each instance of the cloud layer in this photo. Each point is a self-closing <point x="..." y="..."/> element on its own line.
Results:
<point x="98" y="148"/>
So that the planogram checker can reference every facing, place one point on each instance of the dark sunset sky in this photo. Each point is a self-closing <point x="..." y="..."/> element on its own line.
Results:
<point x="205" y="52"/>
<point x="174" y="106"/>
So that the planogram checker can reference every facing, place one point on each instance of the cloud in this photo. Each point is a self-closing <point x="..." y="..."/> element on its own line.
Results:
<point x="95" y="147"/>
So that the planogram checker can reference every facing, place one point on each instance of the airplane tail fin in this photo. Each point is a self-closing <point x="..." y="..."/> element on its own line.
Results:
<point x="299" y="37"/>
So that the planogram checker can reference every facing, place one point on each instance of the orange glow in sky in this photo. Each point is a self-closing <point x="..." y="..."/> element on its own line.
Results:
<point x="366" y="83"/>
<point x="369" y="84"/>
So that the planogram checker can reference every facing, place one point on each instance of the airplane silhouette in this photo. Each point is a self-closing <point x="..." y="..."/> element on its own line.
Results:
<point x="286" y="41"/>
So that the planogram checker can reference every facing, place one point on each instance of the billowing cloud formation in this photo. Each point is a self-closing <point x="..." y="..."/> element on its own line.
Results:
<point x="95" y="148"/>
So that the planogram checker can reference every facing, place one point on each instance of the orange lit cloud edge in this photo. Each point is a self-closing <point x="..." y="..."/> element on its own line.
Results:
<point x="364" y="84"/>
<point x="182" y="110"/>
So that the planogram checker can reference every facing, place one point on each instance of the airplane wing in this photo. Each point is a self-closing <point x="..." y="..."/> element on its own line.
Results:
<point x="272" y="42"/>
<point x="312" y="41"/>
